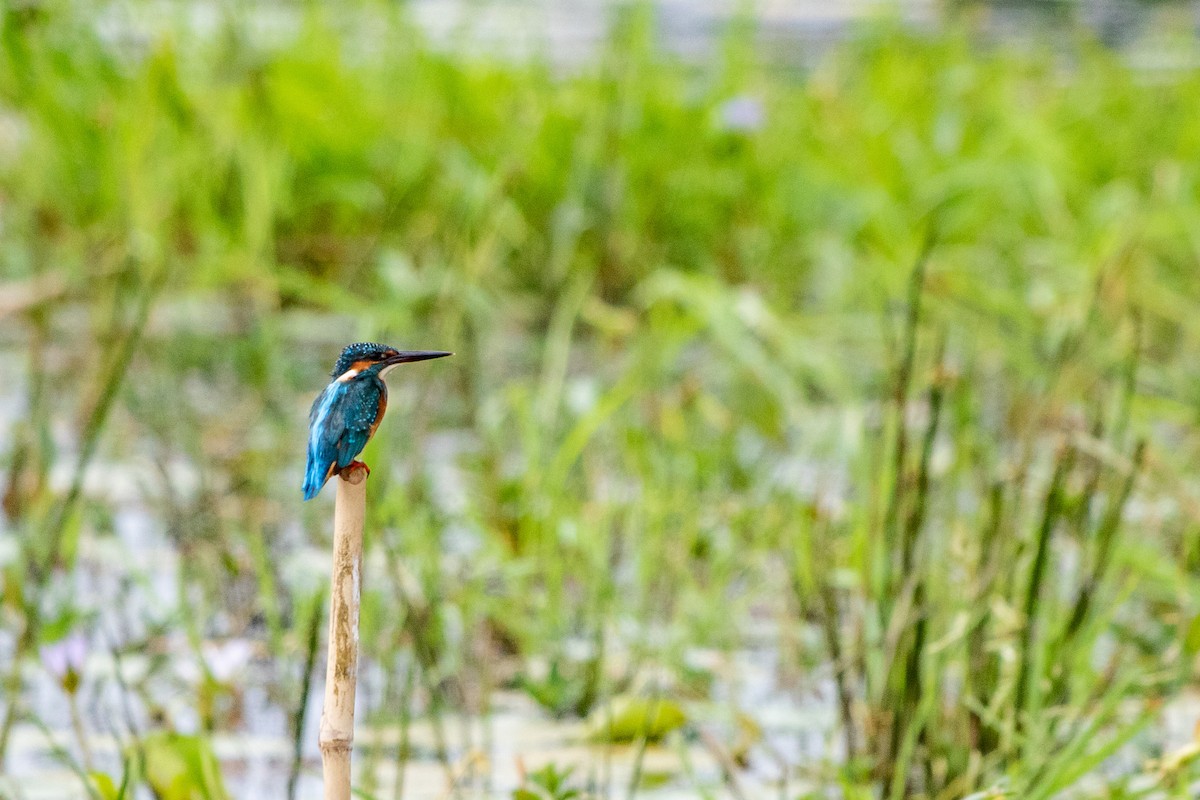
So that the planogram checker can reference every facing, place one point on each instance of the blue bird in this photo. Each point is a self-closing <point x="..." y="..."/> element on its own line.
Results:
<point x="345" y="415"/>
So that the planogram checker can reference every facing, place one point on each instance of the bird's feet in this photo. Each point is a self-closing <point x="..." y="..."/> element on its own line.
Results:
<point x="355" y="472"/>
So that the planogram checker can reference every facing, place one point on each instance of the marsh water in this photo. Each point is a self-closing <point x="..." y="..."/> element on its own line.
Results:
<point x="131" y="576"/>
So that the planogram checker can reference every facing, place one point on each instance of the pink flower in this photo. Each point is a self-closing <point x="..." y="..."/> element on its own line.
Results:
<point x="65" y="658"/>
<point x="742" y="114"/>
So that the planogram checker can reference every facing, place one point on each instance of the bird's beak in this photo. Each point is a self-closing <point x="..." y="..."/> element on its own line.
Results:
<point x="408" y="356"/>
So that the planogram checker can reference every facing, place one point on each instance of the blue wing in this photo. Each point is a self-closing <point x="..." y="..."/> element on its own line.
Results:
<point x="341" y="421"/>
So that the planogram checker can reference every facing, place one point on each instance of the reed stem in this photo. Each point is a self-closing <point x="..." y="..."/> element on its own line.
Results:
<point x="341" y="673"/>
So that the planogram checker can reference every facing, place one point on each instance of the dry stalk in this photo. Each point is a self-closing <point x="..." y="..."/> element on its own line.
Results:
<point x="341" y="672"/>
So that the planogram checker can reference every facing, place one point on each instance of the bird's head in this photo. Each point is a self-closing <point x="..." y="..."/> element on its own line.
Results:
<point x="369" y="357"/>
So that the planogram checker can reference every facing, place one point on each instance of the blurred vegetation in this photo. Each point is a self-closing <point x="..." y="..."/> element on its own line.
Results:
<point x="894" y="358"/>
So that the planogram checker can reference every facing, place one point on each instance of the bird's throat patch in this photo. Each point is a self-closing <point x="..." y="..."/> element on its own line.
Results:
<point x="355" y="370"/>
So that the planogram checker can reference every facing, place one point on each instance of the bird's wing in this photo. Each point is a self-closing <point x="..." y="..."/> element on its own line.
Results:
<point x="341" y="421"/>
<point x="324" y="428"/>
<point x="318" y="402"/>
<point x="359" y="410"/>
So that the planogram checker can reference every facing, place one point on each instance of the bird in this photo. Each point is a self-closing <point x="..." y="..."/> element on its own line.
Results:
<point x="346" y="413"/>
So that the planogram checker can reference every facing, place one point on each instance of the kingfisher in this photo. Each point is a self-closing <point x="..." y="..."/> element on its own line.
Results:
<point x="345" y="415"/>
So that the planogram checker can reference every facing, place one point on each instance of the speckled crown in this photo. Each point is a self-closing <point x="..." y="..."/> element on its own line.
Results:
<point x="359" y="351"/>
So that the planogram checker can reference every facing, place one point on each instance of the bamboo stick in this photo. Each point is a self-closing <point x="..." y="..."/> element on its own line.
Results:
<point x="341" y="672"/>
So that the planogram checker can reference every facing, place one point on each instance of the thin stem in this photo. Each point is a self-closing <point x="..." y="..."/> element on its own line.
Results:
<point x="1051" y="513"/>
<point x="404" y="747"/>
<point x="80" y="733"/>
<point x="310" y="661"/>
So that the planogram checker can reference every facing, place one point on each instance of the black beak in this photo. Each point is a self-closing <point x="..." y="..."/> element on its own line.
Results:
<point x="408" y="356"/>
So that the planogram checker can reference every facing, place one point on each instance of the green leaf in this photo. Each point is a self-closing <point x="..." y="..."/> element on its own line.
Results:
<point x="182" y="767"/>
<point x="104" y="785"/>
<point x="629" y="719"/>
<point x="1191" y="642"/>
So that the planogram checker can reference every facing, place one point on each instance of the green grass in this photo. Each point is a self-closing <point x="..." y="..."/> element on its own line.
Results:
<point x="908" y="373"/>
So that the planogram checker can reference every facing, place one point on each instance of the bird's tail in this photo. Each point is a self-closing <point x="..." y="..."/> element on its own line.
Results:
<point x="314" y="478"/>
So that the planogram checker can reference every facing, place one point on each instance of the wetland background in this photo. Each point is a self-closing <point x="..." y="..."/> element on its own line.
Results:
<point x="823" y="421"/>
